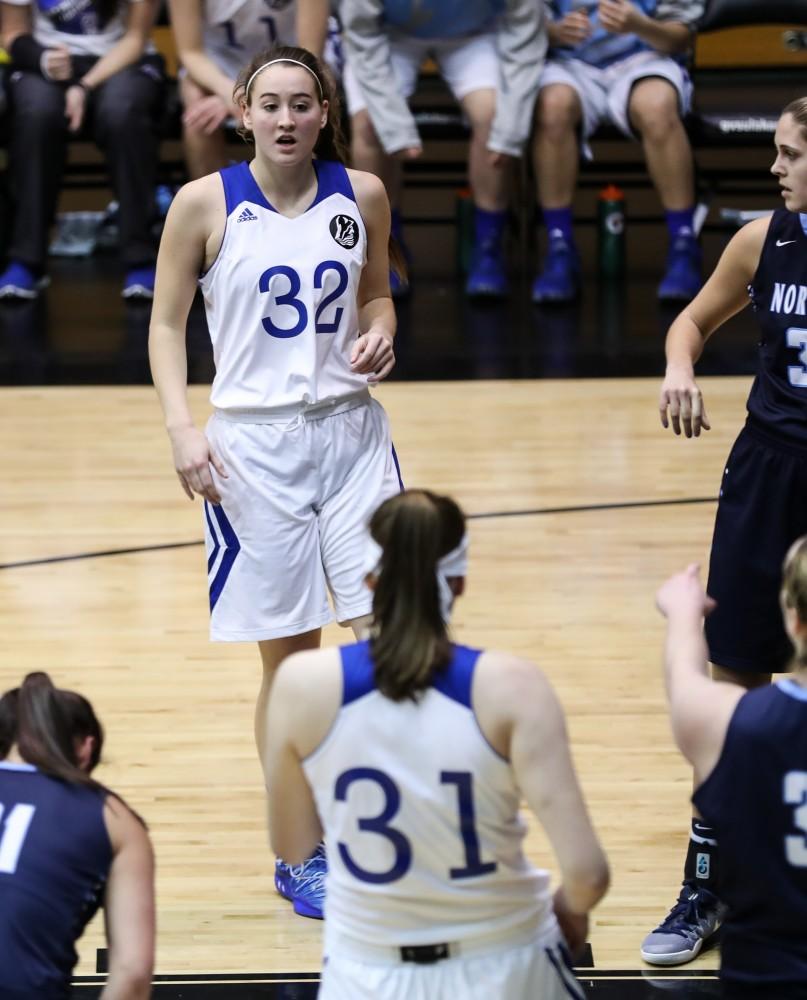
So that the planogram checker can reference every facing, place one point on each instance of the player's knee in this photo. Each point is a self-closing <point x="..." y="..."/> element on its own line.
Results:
<point x="556" y="110"/>
<point x="654" y="111"/>
<point x="363" y="132"/>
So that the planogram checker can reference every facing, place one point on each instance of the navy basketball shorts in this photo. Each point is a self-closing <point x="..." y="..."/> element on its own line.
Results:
<point x="762" y="510"/>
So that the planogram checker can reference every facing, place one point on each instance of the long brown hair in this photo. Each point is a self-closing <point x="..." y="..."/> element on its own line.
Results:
<point x="794" y="589"/>
<point x="331" y="143"/>
<point x="409" y="639"/>
<point x="798" y="110"/>
<point x="45" y="723"/>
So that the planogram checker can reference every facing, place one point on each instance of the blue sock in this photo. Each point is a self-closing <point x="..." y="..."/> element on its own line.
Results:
<point x="558" y="222"/>
<point x="488" y="227"/>
<point x="678" y="221"/>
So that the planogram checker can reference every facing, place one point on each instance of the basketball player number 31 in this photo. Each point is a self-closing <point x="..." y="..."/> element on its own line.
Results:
<point x="289" y="298"/>
<point x="380" y="825"/>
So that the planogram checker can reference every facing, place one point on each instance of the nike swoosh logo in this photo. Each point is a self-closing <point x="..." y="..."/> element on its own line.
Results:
<point x="784" y="243"/>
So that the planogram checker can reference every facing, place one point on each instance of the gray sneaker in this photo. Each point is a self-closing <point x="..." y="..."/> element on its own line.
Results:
<point x="695" y="917"/>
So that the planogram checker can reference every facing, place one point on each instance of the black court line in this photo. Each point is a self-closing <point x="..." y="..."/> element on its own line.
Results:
<point x="643" y="984"/>
<point x="487" y="515"/>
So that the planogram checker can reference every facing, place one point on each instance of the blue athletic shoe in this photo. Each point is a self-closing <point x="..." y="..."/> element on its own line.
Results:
<point x="18" y="281"/>
<point x="695" y="917"/>
<point x="682" y="278"/>
<point x="487" y="277"/>
<point x="560" y="279"/>
<point x="139" y="283"/>
<point x="304" y="885"/>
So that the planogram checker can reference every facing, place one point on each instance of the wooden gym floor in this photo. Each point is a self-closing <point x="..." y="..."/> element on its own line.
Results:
<point x="580" y="505"/>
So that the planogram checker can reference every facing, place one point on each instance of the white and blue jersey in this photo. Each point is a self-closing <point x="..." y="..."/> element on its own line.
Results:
<point x="77" y="24"/>
<point x="236" y="30"/>
<point x="55" y="857"/>
<point x="442" y="18"/>
<point x="756" y="800"/>
<point x="281" y="297"/>
<point x="421" y="816"/>
<point x="603" y="48"/>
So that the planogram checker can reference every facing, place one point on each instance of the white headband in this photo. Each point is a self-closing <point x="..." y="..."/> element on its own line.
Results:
<point x="271" y="62"/>
<point x="453" y="564"/>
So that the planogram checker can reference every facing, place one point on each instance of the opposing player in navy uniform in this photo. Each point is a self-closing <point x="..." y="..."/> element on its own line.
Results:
<point x="749" y="752"/>
<point x="763" y="495"/>
<point x="67" y="846"/>
<point x="412" y="754"/>
<point x="292" y="249"/>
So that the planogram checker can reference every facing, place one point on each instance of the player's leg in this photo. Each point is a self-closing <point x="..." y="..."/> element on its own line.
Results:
<point x="471" y="70"/>
<point x="205" y="152"/>
<point x="761" y="506"/>
<point x="366" y="149"/>
<point x="555" y="156"/>
<point x="656" y="104"/>
<point x="364" y="473"/>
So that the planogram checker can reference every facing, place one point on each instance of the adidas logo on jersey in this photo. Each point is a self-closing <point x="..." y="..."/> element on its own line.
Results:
<point x="247" y="216"/>
<point x="345" y="231"/>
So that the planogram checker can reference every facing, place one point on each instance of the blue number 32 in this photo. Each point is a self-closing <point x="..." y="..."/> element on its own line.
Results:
<point x="290" y="298"/>
<point x="380" y="825"/>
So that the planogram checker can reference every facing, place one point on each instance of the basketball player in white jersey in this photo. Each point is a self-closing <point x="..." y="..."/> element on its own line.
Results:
<point x="412" y="753"/>
<point x="291" y="255"/>
<point x="214" y="38"/>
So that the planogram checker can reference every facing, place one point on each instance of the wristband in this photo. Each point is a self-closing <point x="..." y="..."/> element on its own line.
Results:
<point x="27" y="53"/>
<point x="84" y="86"/>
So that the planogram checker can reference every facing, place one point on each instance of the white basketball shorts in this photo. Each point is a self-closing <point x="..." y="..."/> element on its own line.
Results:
<point x="466" y="64"/>
<point x="604" y="93"/>
<point x="292" y="523"/>
<point x="525" y="971"/>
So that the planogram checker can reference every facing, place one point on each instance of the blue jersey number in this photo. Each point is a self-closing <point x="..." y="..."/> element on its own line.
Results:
<point x="232" y="41"/>
<point x="797" y="374"/>
<point x="401" y="844"/>
<point x="795" y="794"/>
<point x="289" y="298"/>
<point x="13" y="828"/>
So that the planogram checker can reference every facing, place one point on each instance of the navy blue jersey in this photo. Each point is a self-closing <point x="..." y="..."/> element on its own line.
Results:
<point x="756" y="799"/>
<point x="55" y="856"/>
<point x="778" y="398"/>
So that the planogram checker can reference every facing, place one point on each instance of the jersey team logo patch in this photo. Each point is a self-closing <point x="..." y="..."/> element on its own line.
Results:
<point x="345" y="231"/>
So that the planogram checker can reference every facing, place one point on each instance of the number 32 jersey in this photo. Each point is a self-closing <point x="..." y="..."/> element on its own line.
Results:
<point x="281" y="297"/>
<point x="421" y="817"/>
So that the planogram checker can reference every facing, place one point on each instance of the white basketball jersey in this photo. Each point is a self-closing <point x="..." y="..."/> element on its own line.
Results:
<point x="281" y="295"/>
<point x="422" y="829"/>
<point x="236" y="30"/>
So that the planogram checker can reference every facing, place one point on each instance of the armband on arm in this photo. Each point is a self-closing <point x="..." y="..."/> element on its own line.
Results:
<point x="27" y="53"/>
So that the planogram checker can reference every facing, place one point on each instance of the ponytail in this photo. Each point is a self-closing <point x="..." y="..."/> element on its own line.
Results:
<point x="409" y="640"/>
<point x="45" y="722"/>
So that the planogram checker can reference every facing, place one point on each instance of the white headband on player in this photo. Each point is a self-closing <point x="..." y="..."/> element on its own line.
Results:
<point x="453" y="564"/>
<point x="272" y="62"/>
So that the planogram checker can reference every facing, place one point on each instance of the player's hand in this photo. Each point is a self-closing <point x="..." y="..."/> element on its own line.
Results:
<point x="618" y="16"/>
<point x="410" y="153"/>
<point x="193" y="458"/>
<point x="57" y="63"/>
<point x="75" y="104"/>
<point x="682" y="397"/>
<point x="207" y="114"/>
<point x="572" y="29"/>
<point x="574" y="926"/>
<point x="498" y="160"/>
<point x="684" y="593"/>
<point x="372" y="355"/>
